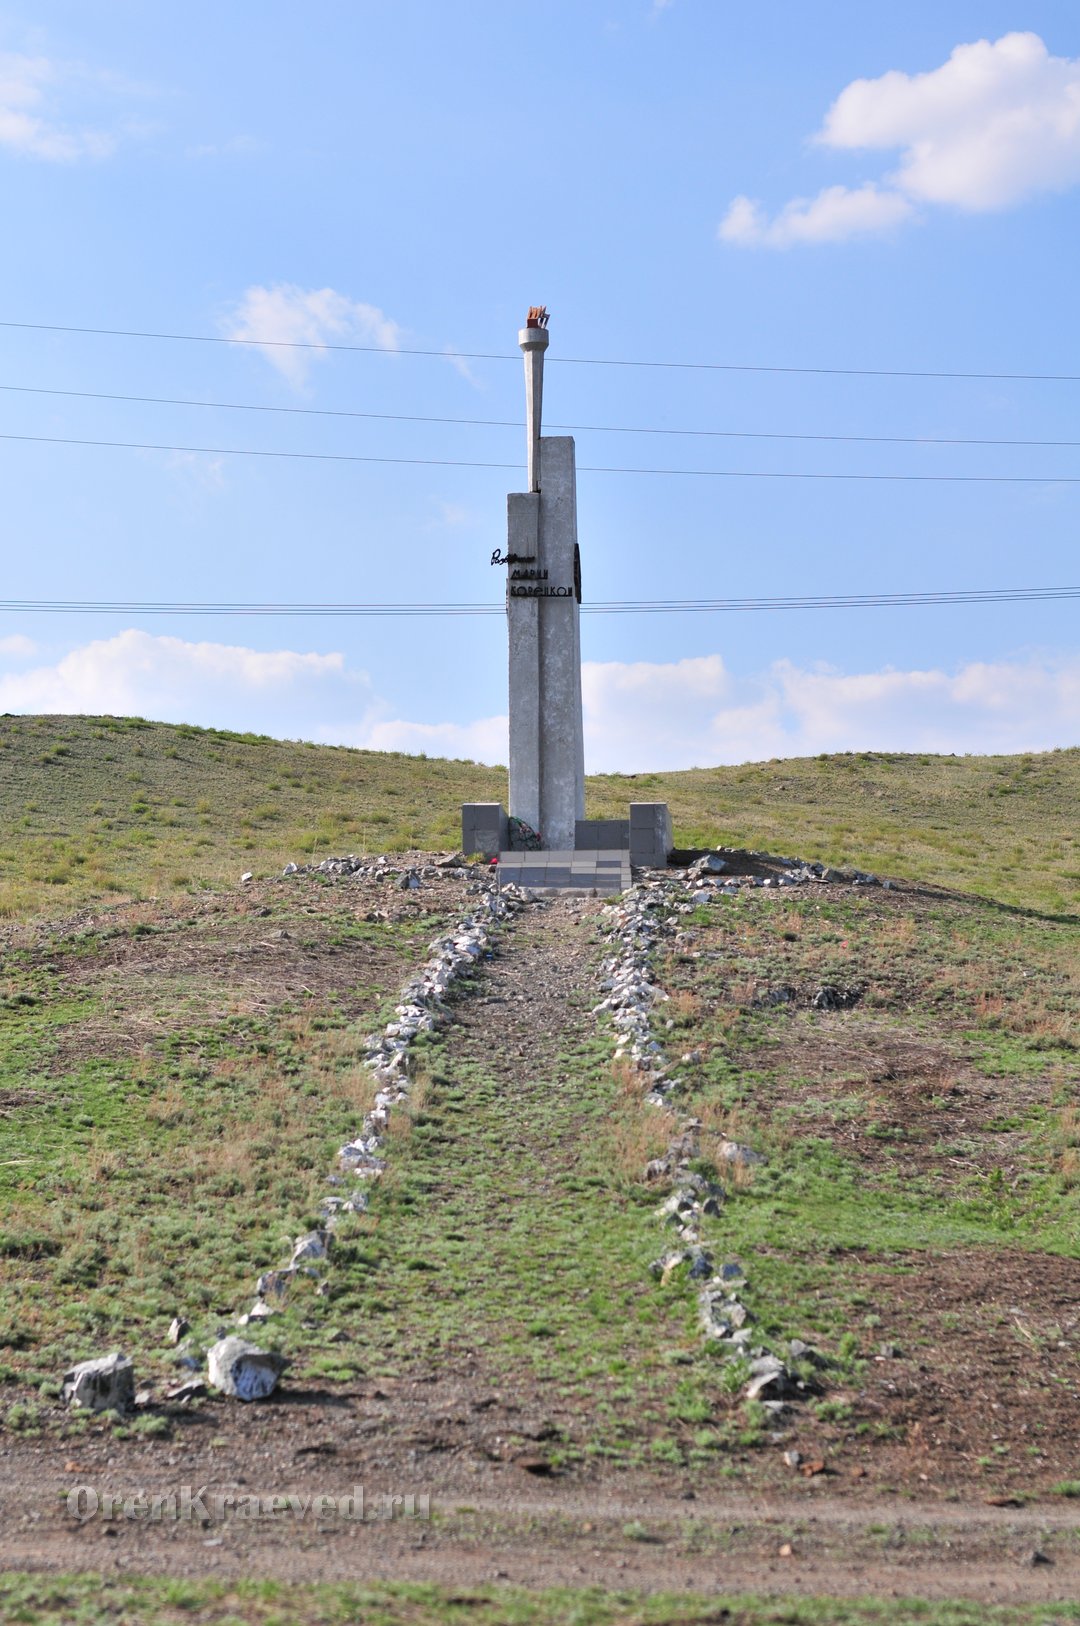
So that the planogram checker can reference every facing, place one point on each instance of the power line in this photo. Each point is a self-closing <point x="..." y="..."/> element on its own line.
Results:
<point x="584" y="468"/>
<point x="245" y="451"/>
<point x="821" y="601"/>
<point x="511" y="423"/>
<point x="571" y="361"/>
<point x="846" y="601"/>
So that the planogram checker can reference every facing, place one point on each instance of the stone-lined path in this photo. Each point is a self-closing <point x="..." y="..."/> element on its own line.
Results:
<point x="510" y="1250"/>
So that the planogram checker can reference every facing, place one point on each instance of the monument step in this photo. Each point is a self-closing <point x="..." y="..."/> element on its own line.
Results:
<point x="577" y="871"/>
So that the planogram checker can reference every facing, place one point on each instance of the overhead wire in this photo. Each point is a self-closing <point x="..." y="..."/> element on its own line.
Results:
<point x="816" y="601"/>
<point x="571" y="361"/>
<point x="511" y="423"/>
<point x="583" y="468"/>
<point x="612" y="607"/>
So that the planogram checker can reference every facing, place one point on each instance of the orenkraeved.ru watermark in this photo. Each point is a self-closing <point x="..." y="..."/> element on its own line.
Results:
<point x="196" y="1504"/>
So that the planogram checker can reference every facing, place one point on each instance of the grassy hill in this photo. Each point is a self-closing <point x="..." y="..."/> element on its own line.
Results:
<point x="100" y="808"/>
<point x="181" y="1058"/>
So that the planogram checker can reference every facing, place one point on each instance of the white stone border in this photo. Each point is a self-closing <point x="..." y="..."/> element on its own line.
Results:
<point x="421" y="1009"/>
<point x="639" y="923"/>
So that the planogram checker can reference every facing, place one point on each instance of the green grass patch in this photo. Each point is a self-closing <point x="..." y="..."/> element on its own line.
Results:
<point x="95" y="1600"/>
<point x="166" y="1136"/>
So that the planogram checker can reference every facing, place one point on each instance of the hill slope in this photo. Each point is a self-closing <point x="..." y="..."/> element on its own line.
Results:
<point x="93" y="808"/>
<point x="895" y="1070"/>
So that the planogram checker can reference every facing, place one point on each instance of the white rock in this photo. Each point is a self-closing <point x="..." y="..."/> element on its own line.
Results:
<point x="107" y="1383"/>
<point x="733" y="1152"/>
<point x="311" y="1246"/>
<point x="243" y="1370"/>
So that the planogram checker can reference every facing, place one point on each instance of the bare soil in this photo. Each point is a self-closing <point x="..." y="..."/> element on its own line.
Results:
<point x="154" y="968"/>
<point x="985" y="1387"/>
<point x="920" y="1094"/>
<point x="493" y="1521"/>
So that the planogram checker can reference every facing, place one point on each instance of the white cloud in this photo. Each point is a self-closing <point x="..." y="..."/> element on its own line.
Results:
<point x="461" y="366"/>
<point x="199" y="468"/>
<point x="450" y="515"/>
<point x="487" y="740"/>
<point x="173" y="680"/>
<point x="643" y="715"/>
<point x="18" y="647"/>
<point x="286" y="315"/>
<point x="997" y="123"/>
<point x="646" y="715"/>
<point x="993" y="125"/>
<point x="28" y="123"/>
<point x="237" y="146"/>
<point x="692" y="712"/>
<point x="639" y="715"/>
<point x="837" y="213"/>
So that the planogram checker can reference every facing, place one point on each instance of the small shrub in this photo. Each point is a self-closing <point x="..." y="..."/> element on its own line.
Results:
<point x="153" y="1427"/>
<point x="832" y="1411"/>
<point x="24" y="1417"/>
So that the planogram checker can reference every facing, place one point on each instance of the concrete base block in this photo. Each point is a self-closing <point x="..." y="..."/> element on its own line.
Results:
<point x="484" y="828"/>
<point x="594" y="870"/>
<point x="592" y="834"/>
<point x="650" y="834"/>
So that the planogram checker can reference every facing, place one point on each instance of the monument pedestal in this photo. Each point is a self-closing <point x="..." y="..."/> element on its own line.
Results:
<point x="604" y="850"/>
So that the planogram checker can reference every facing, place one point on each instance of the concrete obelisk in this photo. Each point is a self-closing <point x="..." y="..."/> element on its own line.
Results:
<point x="543" y="594"/>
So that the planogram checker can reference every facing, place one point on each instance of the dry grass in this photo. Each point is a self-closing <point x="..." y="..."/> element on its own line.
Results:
<point x="719" y="1123"/>
<point x="103" y="1162"/>
<point x="405" y="1115"/>
<point x="169" y="1107"/>
<point x="19" y="901"/>
<point x="682" y="1006"/>
<point x="789" y="923"/>
<point x="998" y="1001"/>
<point x="639" y="1131"/>
<point x="901" y="930"/>
<point x="741" y="992"/>
<point x="1059" y="1027"/>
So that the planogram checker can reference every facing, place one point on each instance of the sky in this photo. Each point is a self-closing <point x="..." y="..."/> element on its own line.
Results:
<point x="821" y="202"/>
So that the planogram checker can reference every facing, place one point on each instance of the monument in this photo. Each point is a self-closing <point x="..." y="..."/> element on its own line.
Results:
<point x="543" y="610"/>
<point x="543" y="597"/>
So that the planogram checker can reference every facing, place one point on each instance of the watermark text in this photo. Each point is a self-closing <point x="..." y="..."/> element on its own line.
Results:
<point x="197" y="1504"/>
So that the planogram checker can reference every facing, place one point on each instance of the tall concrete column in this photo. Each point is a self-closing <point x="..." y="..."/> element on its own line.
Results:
<point x="533" y="339"/>
<point x="547" y="758"/>
<point x="562" y="752"/>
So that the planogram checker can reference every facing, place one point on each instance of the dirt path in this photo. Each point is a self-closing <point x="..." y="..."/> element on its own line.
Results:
<point x="505" y="1297"/>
